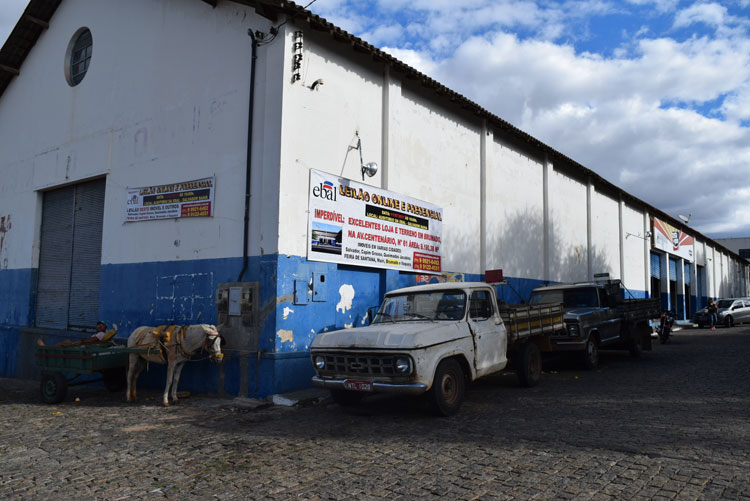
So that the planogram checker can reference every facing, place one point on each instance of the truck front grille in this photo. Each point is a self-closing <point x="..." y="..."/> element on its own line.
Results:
<point x="358" y="364"/>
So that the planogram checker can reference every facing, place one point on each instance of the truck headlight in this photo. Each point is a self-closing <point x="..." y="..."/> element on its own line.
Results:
<point x="320" y="362"/>
<point x="403" y="365"/>
<point x="574" y="330"/>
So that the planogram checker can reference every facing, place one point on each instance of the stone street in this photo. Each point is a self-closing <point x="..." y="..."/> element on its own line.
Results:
<point x="671" y="425"/>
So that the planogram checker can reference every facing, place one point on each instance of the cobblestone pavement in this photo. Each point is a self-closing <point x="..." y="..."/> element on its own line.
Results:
<point x="672" y="425"/>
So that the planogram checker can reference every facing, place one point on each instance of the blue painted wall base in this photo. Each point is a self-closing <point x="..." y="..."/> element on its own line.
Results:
<point x="298" y="299"/>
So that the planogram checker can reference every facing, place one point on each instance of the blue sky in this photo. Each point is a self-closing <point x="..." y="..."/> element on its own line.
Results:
<point x="653" y="95"/>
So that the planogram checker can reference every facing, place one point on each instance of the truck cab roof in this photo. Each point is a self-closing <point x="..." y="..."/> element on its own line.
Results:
<point x="576" y="285"/>
<point x="438" y="287"/>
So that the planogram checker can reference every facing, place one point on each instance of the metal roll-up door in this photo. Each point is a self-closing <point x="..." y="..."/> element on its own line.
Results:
<point x="55" y="256"/>
<point x="672" y="270"/>
<point x="655" y="265"/>
<point x="87" y="255"/>
<point x="70" y="256"/>
<point x="686" y="273"/>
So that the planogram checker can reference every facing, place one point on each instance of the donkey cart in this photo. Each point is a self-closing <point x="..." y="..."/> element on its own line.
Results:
<point x="57" y="361"/>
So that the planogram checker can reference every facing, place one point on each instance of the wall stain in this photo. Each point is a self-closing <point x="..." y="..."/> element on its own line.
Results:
<point x="5" y="226"/>
<point x="285" y="336"/>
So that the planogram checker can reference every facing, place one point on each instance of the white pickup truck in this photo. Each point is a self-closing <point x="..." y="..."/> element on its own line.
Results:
<point x="432" y="339"/>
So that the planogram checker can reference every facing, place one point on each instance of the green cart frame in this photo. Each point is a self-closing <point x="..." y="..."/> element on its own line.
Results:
<point x="56" y="361"/>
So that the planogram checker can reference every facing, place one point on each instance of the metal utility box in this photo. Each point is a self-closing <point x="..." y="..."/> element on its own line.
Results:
<point x="237" y="314"/>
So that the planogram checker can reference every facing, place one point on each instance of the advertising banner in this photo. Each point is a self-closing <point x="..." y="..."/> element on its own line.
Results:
<point x="185" y="199"/>
<point x="672" y="240"/>
<point x="358" y="224"/>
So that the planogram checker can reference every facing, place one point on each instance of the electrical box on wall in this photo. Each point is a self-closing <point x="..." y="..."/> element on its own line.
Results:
<point x="319" y="287"/>
<point x="237" y="314"/>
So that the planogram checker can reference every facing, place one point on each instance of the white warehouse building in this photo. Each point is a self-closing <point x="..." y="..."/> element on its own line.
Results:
<point x="161" y="166"/>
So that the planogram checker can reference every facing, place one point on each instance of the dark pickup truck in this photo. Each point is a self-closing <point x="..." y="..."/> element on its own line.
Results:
<point x="597" y="316"/>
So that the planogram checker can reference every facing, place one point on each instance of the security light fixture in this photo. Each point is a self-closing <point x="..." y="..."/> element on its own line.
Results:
<point x="369" y="168"/>
<point x="686" y="220"/>
<point x="638" y="235"/>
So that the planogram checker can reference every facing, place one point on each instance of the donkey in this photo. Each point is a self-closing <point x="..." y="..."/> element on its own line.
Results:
<point x="173" y="346"/>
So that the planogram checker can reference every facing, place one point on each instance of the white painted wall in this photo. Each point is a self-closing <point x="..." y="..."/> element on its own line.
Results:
<point x="165" y="100"/>
<point x="436" y="158"/>
<point x="320" y="127"/>
<point x="635" y="266"/>
<point x="515" y="211"/>
<point x="569" y="248"/>
<point x="605" y="235"/>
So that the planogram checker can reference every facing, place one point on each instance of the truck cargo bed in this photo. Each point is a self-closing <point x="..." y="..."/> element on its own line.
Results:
<point x="523" y="321"/>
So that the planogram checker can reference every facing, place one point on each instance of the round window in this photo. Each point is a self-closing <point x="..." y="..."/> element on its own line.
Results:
<point x="78" y="56"/>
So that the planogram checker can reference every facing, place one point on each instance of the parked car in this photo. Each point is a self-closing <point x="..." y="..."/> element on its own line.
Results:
<point x="731" y="311"/>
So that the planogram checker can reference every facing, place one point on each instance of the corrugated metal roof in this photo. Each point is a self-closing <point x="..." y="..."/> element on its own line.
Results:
<point x="38" y="13"/>
<point x="34" y="20"/>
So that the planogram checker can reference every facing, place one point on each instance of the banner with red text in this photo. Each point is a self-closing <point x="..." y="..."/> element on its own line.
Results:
<point x="184" y="199"/>
<point x="358" y="224"/>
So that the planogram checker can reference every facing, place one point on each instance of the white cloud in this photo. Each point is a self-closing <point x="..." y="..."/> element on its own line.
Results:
<point x="384" y="34"/>
<point x="414" y="59"/>
<point x="659" y="5"/>
<point x="736" y="106"/>
<point x="711" y="14"/>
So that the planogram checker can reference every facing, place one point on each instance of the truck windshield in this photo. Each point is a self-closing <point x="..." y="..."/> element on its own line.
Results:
<point x="581" y="297"/>
<point x="724" y="303"/>
<point x="438" y="305"/>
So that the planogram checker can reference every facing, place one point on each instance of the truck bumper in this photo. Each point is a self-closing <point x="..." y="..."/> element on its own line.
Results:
<point x="574" y="344"/>
<point x="377" y="387"/>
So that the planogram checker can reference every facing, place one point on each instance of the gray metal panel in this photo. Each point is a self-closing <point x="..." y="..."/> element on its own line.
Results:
<point x="87" y="254"/>
<point x="54" y="258"/>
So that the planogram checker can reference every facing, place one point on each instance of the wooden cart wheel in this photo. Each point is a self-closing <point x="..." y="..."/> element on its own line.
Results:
<point x="53" y="387"/>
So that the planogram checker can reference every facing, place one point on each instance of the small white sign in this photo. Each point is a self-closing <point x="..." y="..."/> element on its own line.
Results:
<point x="184" y="199"/>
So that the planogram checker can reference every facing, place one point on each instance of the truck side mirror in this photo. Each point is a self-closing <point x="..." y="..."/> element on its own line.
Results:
<point x="371" y="311"/>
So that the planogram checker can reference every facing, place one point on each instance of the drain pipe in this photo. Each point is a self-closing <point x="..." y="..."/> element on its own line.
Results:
<point x="246" y="232"/>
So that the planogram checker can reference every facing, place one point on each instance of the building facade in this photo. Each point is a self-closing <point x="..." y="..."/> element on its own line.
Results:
<point x="739" y="245"/>
<point x="162" y="174"/>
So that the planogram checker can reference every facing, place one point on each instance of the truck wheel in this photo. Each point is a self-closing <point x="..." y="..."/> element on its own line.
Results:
<point x="590" y="356"/>
<point x="447" y="390"/>
<point x="729" y="321"/>
<point x="636" y="347"/>
<point x="529" y="365"/>
<point x="346" y="398"/>
<point x="53" y="387"/>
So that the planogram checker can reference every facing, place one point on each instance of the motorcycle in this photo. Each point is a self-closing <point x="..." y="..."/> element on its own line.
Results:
<point x="665" y="326"/>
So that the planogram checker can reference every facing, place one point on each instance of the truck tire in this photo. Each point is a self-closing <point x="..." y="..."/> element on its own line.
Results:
<point x="729" y="321"/>
<point x="590" y="354"/>
<point x="529" y="365"/>
<point x="447" y="390"/>
<point x="346" y="398"/>
<point x="53" y="387"/>
<point x="636" y="346"/>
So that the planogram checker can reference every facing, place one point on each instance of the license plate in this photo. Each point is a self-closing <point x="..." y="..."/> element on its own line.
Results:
<point x="358" y="385"/>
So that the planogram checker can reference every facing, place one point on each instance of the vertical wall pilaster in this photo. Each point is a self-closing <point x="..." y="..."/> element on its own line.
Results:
<point x="620" y="211"/>
<point x="647" y="253"/>
<point x="547" y="236"/>
<point x="386" y="128"/>
<point x="589" y="233"/>
<point x="483" y="196"/>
